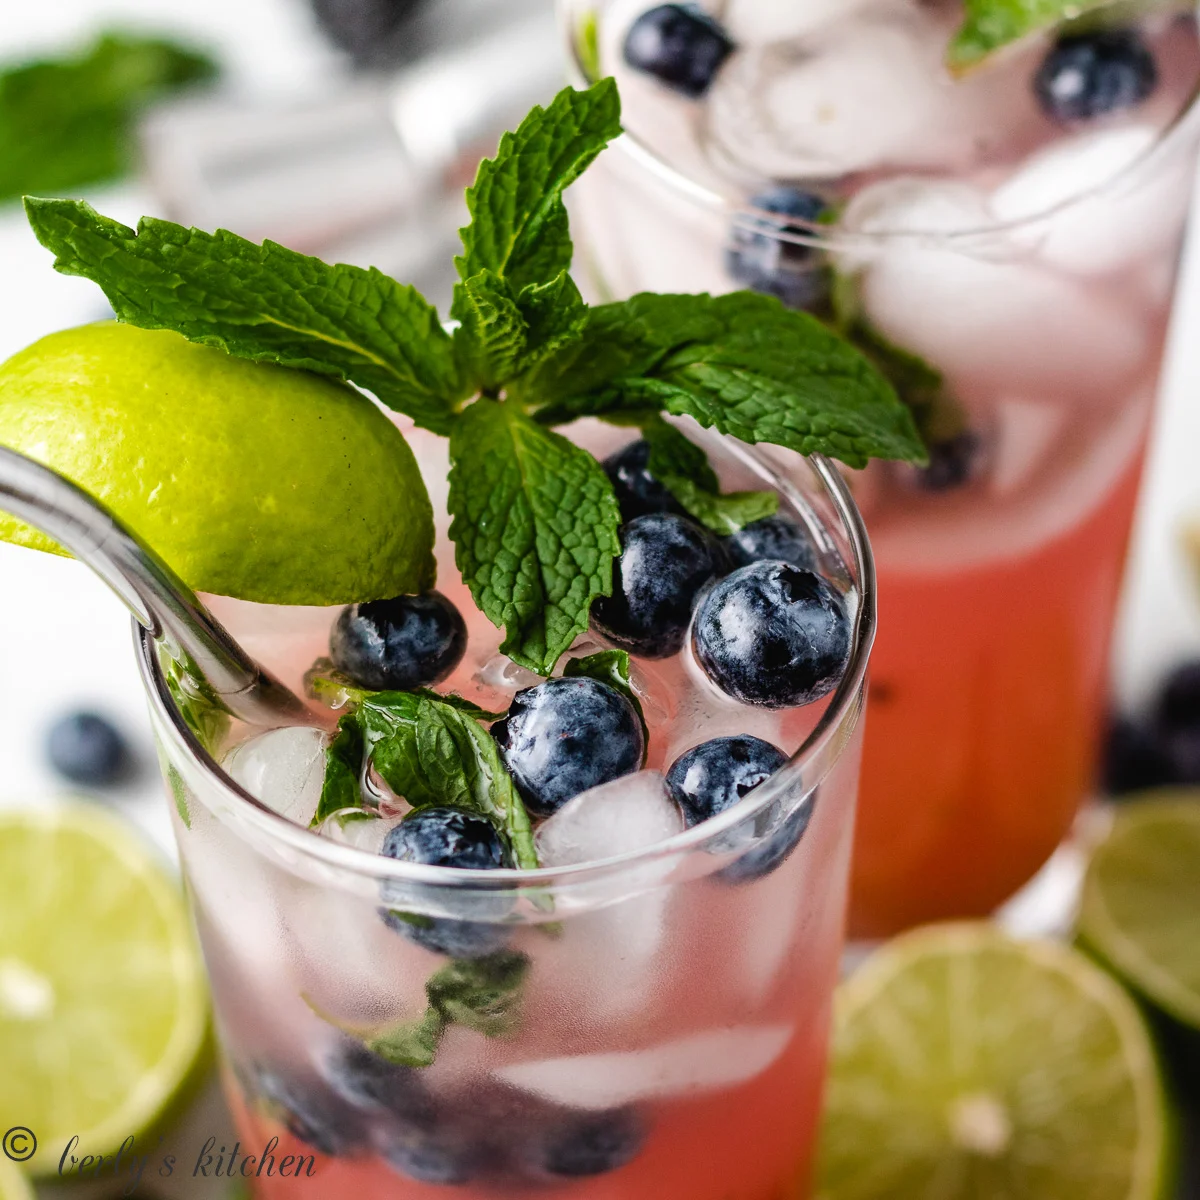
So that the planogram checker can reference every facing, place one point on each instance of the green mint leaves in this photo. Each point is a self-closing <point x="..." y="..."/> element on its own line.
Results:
<point x="535" y="529"/>
<point x="535" y="519"/>
<point x="429" y="749"/>
<point x="67" y="123"/>
<point x="481" y="994"/>
<point x="519" y="227"/>
<point x="264" y="303"/>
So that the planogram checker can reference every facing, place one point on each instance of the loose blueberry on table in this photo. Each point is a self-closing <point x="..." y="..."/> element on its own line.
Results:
<point x="86" y="748"/>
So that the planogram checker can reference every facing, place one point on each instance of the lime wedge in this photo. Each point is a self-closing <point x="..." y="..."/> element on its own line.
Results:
<point x="1141" y="901"/>
<point x="13" y="1184"/>
<point x="103" y="1005"/>
<point x="251" y="480"/>
<point x="969" y="1066"/>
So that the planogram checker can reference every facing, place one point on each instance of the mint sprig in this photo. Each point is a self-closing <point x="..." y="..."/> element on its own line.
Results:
<point x="265" y="303"/>
<point x="535" y="519"/>
<point x="535" y="529"/>
<point x="69" y="122"/>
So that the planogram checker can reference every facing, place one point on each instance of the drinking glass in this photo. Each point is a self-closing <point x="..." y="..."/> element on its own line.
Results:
<point x="660" y="1019"/>
<point x="999" y="566"/>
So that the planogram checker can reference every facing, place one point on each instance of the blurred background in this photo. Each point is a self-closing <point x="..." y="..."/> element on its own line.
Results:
<point x="347" y="129"/>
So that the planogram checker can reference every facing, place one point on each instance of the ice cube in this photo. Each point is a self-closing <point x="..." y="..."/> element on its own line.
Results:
<point x="856" y="95"/>
<point x="503" y="675"/>
<point x="969" y="306"/>
<point x="621" y="817"/>
<point x="358" y="829"/>
<point x="1111" y="222"/>
<point x="760" y="22"/>
<point x="702" y="1062"/>
<point x="283" y="768"/>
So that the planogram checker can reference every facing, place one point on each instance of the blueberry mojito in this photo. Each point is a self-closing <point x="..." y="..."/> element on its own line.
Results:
<point x="988" y="198"/>
<point x="545" y="893"/>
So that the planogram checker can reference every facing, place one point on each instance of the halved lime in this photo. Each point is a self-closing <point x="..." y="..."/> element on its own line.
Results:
<point x="103" y="1004"/>
<point x="13" y="1184"/>
<point x="251" y="480"/>
<point x="970" y="1066"/>
<point x="1141" y="901"/>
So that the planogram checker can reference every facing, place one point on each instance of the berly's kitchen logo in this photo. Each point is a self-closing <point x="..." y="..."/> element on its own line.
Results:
<point x="213" y="1161"/>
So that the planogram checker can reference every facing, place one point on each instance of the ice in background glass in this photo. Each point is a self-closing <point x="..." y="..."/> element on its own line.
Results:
<point x="1029" y="261"/>
<point x="675" y="1008"/>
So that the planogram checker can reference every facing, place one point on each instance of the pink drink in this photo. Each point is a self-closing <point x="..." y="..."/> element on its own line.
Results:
<point x="671" y="1017"/>
<point x="1031" y="261"/>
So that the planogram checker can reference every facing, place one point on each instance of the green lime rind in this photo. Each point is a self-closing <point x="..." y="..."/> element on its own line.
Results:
<point x="103" y="1001"/>
<point x="250" y="480"/>
<point x="967" y="1064"/>
<point x="1140" y="910"/>
<point x="13" y="1183"/>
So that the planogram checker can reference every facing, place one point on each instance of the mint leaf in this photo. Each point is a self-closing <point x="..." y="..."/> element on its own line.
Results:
<point x="461" y="704"/>
<point x="265" y="303"/>
<point x="989" y="25"/>
<point x="611" y="667"/>
<point x="202" y="710"/>
<point x="503" y="334"/>
<point x="69" y="122"/>
<point x="432" y="752"/>
<point x="519" y="227"/>
<point x="535" y="529"/>
<point x="410" y="1044"/>
<point x="343" y="767"/>
<point x="483" y="994"/>
<point x="742" y="363"/>
<point x="684" y="470"/>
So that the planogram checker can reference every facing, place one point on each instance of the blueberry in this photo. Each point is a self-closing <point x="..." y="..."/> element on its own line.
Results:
<point x="85" y="748"/>
<point x="360" y="26"/>
<point x="586" y="1144"/>
<point x="679" y="45"/>
<point x="760" y="259"/>
<point x="400" y="644"/>
<point x="1134" y="758"/>
<point x="1179" y="699"/>
<point x="952" y="463"/>
<point x="448" y="837"/>
<point x="429" y="1157"/>
<point x="714" y="776"/>
<point x="665" y="560"/>
<point x="638" y="492"/>
<point x="776" y="537"/>
<point x="309" y="1111"/>
<point x="774" y="635"/>
<point x="1090" y="74"/>
<point x="368" y="1081"/>
<point x="566" y="736"/>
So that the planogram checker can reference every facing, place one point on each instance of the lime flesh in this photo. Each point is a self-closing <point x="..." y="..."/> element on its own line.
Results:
<point x="1141" y="901"/>
<point x="13" y="1184"/>
<point x="969" y="1066"/>
<point x="250" y="480"/>
<point x="103" y="1003"/>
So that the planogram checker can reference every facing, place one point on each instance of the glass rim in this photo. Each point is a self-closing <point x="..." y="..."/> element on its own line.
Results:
<point x="744" y="216"/>
<point x="843" y="706"/>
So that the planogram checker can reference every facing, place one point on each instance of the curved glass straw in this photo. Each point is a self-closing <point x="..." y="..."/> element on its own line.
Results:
<point x="159" y="600"/>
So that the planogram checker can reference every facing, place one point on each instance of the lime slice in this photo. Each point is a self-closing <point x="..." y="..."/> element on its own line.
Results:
<point x="251" y="480"/>
<point x="969" y="1066"/>
<point x="13" y="1184"/>
<point x="103" y="1006"/>
<point x="1141" y="901"/>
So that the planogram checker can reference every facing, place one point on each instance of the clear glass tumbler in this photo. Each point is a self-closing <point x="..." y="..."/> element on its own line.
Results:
<point x="655" y="1024"/>
<point x="1015" y="276"/>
